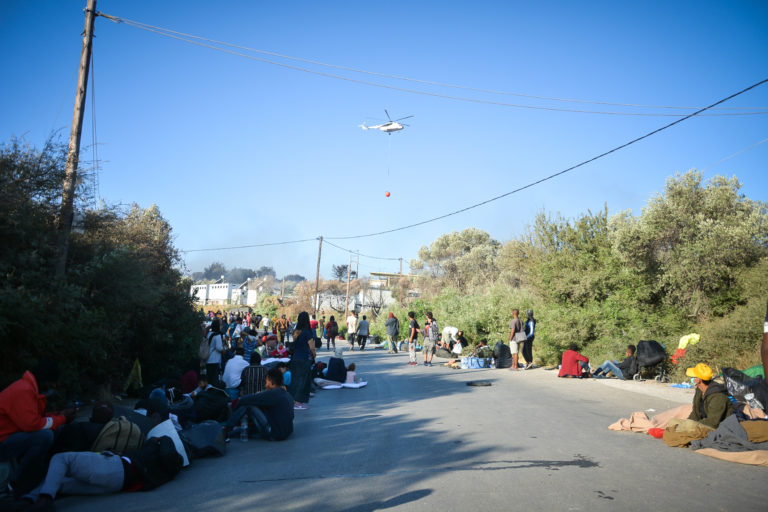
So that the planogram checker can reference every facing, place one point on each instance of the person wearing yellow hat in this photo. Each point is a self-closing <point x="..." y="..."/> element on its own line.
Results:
<point x="710" y="403"/>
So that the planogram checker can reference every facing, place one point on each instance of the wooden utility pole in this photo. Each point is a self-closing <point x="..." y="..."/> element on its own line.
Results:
<point x="282" y="289"/>
<point x="346" y="296"/>
<point x="73" y="151"/>
<point x="316" y="305"/>
<point x="401" y="267"/>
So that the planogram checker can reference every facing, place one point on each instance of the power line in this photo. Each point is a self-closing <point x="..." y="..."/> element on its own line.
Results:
<point x="359" y="253"/>
<point x="735" y="154"/>
<point x="185" y="38"/>
<point x="551" y="176"/>
<point x="249" y="246"/>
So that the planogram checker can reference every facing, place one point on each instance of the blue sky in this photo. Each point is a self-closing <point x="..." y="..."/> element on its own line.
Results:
<point x="238" y="152"/>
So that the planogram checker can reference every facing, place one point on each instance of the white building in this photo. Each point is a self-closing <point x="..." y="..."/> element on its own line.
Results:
<point x="218" y="293"/>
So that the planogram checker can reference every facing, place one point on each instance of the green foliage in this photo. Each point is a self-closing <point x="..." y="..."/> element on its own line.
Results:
<point x="123" y="297"/>
<point x="693" y="261"/>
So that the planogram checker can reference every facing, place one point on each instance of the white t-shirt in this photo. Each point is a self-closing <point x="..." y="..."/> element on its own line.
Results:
<point x="351" y="324"/>
<point x="450" y="333"/>
<point x="233" y="370"/>
<point x="265" y="322"/>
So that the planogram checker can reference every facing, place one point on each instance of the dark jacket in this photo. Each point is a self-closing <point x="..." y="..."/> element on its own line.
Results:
<point x="628" y="367"/>
<point x="712" y="407"/>
<point x="337" y="371"/>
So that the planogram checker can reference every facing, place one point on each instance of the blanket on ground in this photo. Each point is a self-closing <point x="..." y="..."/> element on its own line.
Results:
<point x="640" y="422"/>
<point x="733" y="441"/>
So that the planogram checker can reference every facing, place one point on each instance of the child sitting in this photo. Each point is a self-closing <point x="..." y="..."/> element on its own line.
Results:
<point x="351" y="375"/>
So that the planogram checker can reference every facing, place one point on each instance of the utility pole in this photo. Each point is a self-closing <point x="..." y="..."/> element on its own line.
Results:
<point x="346" y="297"/>
<point x="73" y="151"/>
<point x="401" y="267"/>
<point x="282" y="290"/>
<point x="317" y="277"/>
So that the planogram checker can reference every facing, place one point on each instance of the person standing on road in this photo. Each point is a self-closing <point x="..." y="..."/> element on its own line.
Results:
<point x="516" y="336"/>
<point x="265" y="324"/>
<point x="530" y="334"/>
<point x="430" y="338"/>
<point x="282" y="328"/>
<point x="216" y="348"/>
<point x="352" y="329"/>
<point x="413" y="335"/>
<point x="393" y="331"/>
<point x="331" y="331"/>
<point x="301" y="362"/>
<point x="362" y="332"/>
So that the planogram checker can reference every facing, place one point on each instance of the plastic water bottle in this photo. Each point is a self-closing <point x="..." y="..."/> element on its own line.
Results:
<point x="244" y="429"/>
<point x="752" y="401"/>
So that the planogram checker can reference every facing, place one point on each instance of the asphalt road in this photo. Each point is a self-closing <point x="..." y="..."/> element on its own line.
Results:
<point x="420" y="439"/>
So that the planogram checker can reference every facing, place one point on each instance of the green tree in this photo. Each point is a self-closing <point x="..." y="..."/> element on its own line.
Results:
<point x="215" y="270"/>
<point x="459" y="259"/>
<point x="690" y="242"/>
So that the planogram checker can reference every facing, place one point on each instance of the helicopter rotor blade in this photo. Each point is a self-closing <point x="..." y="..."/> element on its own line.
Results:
<point x="385" y="111"/>
<point x="406" y="117"/>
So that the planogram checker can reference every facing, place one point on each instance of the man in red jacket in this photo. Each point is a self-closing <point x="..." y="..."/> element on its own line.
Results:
<point x="573" y="364"/>
<point x="26" y="431"/>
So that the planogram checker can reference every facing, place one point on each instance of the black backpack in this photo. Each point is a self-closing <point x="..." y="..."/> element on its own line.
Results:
<point x="157" y="461"/>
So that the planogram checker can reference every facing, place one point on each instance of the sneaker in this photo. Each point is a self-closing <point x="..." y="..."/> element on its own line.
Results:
<point x="298" y="406"/>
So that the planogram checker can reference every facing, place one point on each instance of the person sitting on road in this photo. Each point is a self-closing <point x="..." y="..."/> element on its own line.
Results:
<point x="710" y="403"/>
<point x="482" y="350"/>
<point x="270" y="413"/>
<point x="26" y="431"/>
<point x="252" y="379"/>
<point x="232" y="372"/>
<point x="351" y="375"/>
<point x="337" y="371"/>
<point x="624" y="370"/>
<point x="502" y="354"/>
<point x="574" y="365"/>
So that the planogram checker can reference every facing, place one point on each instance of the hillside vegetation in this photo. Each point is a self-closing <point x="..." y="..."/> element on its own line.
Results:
<point x="694" y="260"/>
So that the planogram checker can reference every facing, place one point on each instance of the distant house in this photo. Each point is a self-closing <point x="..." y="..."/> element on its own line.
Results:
<point x="244" y="294"/>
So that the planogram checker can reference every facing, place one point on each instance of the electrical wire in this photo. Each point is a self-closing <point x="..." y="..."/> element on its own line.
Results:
<point x="185" y="38"/>
<point x="250" y="245"/>
<point x="735" y="154"/>
<point x="359" y="253"/>
<point x="551" y="176"/>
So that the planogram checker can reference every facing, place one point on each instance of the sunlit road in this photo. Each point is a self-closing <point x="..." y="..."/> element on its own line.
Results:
<point x="419" y="438"/>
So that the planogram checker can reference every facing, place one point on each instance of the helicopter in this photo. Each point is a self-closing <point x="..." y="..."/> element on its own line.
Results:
<point x="388" y="127"/>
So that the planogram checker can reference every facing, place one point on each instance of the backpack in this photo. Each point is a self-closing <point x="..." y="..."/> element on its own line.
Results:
<point x="434" y="336"/>
<point x="211" y="404"/>
<point x="333" y="329"/>
<point x="118" y="436"/>
<point x="157" y="462"/>
<point x="204" y="351"/>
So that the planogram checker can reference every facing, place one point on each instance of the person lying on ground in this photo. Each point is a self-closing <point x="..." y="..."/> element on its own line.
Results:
<point x="710" y="403"/>
<point x="232" y="372"/>
<point x="624" y="370"/>
<point x="26" y="431"/>
<point x="89" y="473"/>
<point x="270" y="413"/>
<point x="502" y="354"/>
<point x="253" y="377"/>
<point x="574" y="365"/>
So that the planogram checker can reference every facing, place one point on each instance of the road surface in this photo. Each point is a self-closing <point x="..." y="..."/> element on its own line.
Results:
<point x="419" y="439"/>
